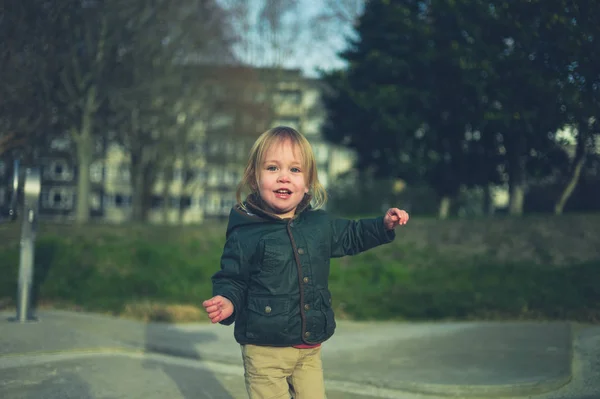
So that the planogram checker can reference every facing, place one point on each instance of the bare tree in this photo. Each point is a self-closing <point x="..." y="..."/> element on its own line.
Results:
<point x="269" y="33"/>
<point x="291" y="34"/>
<point x="332" y="26"/>
<point x="83" y="44"/>
<point x="27" y="111"/>
<point x="157" y="94"/>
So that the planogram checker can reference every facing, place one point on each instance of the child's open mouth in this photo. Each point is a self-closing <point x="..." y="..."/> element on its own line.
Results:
<point x="283" y="193"/>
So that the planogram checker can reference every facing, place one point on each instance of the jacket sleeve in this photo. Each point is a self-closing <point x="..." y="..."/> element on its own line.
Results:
<point x="230" y="281"/>
<point x="350" y="237"/>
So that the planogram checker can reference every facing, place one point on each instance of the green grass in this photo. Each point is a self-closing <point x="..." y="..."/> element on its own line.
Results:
<point x="508" y="268"/>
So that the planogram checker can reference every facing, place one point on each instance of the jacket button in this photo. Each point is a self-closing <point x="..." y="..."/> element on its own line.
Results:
<point x="307" y="307"/>
<point x="305" y="279"/>
<point x="267" y="309"/>
<point x="307" y="334"/>
<point x="300" y="251"/>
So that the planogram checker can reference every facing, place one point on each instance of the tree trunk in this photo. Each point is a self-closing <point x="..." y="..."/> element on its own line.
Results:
<point x="182" y="190"/>
<point x="84" y="160"/>
<point x="166" y="191"/>
<point x="181" y="210"/>
<point x="85" y="150"/>
<point x="137" y="195"/>
<point x="136" y="155"/>
<point x="149" y="179"/>
<point x="578" y="162"/>
<point x="516" y="183"/>
<point x="488" y="201"/>
<point x="444" y="210"/>
<point x="517" y="197"/>
<point x="568" y="191"/>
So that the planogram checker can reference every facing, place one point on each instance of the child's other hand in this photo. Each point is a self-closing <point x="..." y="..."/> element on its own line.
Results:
<point x="218" y="308"/>
<point x="394" y="217"/>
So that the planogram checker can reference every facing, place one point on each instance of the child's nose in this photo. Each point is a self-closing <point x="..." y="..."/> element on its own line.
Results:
<point x="283" y="177"/>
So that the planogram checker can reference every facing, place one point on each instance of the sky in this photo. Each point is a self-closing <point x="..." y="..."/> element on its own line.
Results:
<point x="326" y="57"/>
<point x="310" y="44"/>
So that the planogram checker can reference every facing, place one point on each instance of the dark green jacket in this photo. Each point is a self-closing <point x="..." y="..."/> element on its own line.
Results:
<point x="275" y="271"/>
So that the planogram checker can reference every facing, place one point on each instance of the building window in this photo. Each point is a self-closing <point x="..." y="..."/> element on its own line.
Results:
<point x="289" y="96"/>
<point x="213" y="148"/>
<point x="229" y="148"/>
<point x="241" y="149"/>
<point x="123" y="201"/>
<point x="2" y="168"/>
<point x="58" y="170"/>
<point x="156" y="201"/>
<point x="99" y="145"/>
<point x="58" y="198"/>
<point x="195" y="148"/>
<point x="95" y="201"/>
<point x="2" y="196"/>
<point x="124" y="173"/>
<point x="177" y="175"/>
<point x="96" y="172"/>
<point x="228" y="177"/>
<point x="214" y="203"/>
<point x="184" y="202"/>
<point x="222" y="121"/>
<point x="118" y="200"/>
<point x="202" y="176"/>
<point x="214" y="176"/>
<point x="226" y="204"/>
<point x="60" y="144"/>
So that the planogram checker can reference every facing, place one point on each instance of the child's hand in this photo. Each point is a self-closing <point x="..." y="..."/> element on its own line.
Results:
<point x="218" y="308"/>
<point x="394" y="217"/>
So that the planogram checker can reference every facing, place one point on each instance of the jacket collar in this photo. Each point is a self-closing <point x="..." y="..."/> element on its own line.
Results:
<point x="256" y="205"/>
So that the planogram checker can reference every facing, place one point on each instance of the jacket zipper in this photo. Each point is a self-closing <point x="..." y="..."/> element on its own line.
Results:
<point x="299" y="267"/>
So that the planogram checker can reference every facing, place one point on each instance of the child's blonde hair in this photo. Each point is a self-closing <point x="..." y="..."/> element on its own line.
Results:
<point x="257" y="154"/>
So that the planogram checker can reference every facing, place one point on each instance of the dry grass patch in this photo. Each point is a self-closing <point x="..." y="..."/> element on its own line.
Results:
<point x="148" y="311"/>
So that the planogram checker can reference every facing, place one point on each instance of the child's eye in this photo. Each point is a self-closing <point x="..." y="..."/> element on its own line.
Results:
<point x="295" y="170"/>
<point x="272" y="168"/>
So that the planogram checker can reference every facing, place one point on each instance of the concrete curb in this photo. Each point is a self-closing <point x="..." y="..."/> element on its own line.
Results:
<point x="488" y="391"/>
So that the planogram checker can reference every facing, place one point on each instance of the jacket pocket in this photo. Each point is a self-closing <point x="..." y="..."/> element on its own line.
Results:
<point x="267" y="320"/>
<point x="328" y="311"/>
<point x="272" y="256"/>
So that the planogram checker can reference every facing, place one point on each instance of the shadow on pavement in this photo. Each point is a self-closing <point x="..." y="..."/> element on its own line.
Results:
<point x="191" y="382"/>
<point x="67" y="386"/>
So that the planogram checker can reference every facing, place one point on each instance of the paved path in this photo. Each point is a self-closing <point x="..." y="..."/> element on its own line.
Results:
<point x="77" y="355"/>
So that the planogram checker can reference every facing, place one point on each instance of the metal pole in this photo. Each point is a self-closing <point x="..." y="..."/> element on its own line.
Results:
<point x="31" y="196"/>
<point x="12" y="210"/>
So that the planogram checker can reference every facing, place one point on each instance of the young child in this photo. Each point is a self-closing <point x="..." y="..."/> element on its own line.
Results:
<point x="273" y="280"/>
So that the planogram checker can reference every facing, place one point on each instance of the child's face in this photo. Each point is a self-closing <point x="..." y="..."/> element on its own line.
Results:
<point x="281" y="178"/>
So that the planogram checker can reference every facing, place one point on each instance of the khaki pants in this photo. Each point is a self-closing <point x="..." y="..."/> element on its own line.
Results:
<point x="281" y="373"/>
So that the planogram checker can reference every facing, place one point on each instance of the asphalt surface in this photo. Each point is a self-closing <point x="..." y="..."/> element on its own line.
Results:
<point x="78" y="355"/>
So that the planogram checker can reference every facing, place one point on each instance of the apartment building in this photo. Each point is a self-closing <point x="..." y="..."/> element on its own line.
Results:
<point x="199" y="182"/>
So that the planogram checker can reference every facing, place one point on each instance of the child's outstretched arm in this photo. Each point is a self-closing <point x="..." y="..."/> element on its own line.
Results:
<point x="350" y="237"/>
<point x="229" y="283"/>
<point x="394" y="217"/>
